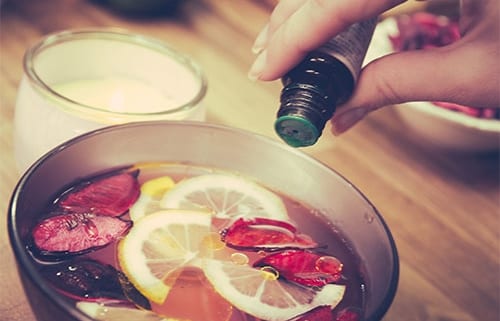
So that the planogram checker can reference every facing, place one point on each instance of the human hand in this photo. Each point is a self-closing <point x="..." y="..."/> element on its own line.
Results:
<point x="466" y="72"/>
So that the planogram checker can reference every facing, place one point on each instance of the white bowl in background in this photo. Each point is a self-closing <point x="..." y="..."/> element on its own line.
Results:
<point x="441" y="127"/>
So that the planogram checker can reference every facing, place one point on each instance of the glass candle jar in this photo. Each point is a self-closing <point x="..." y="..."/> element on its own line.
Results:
<point x="79" y="80"/>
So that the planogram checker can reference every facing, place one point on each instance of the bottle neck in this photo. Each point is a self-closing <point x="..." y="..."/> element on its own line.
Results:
<point x="322" y="75"/>
<point x="311" y="93"/>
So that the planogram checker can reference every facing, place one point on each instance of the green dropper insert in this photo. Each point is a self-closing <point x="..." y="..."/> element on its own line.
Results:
<point x="296" y="131"/>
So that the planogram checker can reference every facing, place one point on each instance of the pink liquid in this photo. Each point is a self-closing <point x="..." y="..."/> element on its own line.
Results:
<point x="193" y="298"/>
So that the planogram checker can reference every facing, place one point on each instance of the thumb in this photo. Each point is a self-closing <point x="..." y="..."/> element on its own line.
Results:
<point x="423" y="75"/>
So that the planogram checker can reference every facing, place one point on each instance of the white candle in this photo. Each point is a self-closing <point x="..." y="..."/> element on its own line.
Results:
<point x="124" y="95"/>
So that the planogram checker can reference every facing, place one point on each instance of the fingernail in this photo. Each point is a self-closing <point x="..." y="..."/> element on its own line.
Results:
<point x="258" y="66"/>
<point x="260" y="41"/>
<point x="342" y="122"/>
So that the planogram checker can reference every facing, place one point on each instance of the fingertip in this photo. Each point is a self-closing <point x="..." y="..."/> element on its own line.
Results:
<point x="261" y="40"/>
<point x="258" y="66"/>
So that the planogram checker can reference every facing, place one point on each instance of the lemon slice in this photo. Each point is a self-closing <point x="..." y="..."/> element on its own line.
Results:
<point x="102" y="312"/>
<point x="151" y="194"/>
<point x="159" y="245"/>
<point x="227" y="196"/>
<point x="263" y="295"/>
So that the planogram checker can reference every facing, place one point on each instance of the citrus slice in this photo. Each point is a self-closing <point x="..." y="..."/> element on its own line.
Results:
<point x="159" y="246"/>
<point x="151" y="194"/>
<point x="227" y="196"/>
<point x="103" y="312"/>
<point x="260" y="293"/>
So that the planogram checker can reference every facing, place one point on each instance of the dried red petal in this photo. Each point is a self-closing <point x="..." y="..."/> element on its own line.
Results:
<point x="109" y="195"/>
<point x="264" y="233"/>
<point x="304" y="267"/>
<point x="348" y="315"/>
<point x="322" y="313"/>
<point x="89" y="280"/>
<point x="76" y="233"/>
<point x="132" y="294"/>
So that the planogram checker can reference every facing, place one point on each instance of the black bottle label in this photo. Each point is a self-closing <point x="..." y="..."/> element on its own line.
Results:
<point x="350" y="46"/>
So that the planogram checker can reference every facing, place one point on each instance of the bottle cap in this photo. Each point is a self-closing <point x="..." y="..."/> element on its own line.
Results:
<point x="302" y="115"/>
<point x="296" y="131"/>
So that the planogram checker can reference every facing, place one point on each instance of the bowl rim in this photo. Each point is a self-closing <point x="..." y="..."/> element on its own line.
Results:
<point x="483" y="124"/>
<point x="25" y="262"/>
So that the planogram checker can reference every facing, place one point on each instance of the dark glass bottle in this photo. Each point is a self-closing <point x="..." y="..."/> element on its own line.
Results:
<point x="324" y="79"/>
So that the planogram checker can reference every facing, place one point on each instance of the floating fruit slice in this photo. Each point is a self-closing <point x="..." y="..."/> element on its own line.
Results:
<point x="227" y="196"/>
<point x="260" y="292"/>
<point x="159" y="245"/>
<point x="108" y="195"/>
<point x="73" y="234"/>
<point x="304" y="267"/>
<point x="263" y="233"/>
<point x="103" y="312"/>
<point x="151" y="194"/>
<point x="86" y="279"/>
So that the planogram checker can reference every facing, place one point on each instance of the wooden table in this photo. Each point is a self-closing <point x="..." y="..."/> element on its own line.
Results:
<point x="443" y="208"/>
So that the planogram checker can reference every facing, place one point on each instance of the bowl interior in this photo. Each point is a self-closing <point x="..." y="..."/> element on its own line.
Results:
<point x="272" y="163"/>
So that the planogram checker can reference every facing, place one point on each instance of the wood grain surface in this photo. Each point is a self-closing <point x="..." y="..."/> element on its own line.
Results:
<point x="442" y="207"/>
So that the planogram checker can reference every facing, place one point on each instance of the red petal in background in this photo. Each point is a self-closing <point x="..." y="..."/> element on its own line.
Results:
<point x="424" y="30"/>
<point x="264" y="233"/>
<point x="109" y="195"/>
<point x="304" y="267"/>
